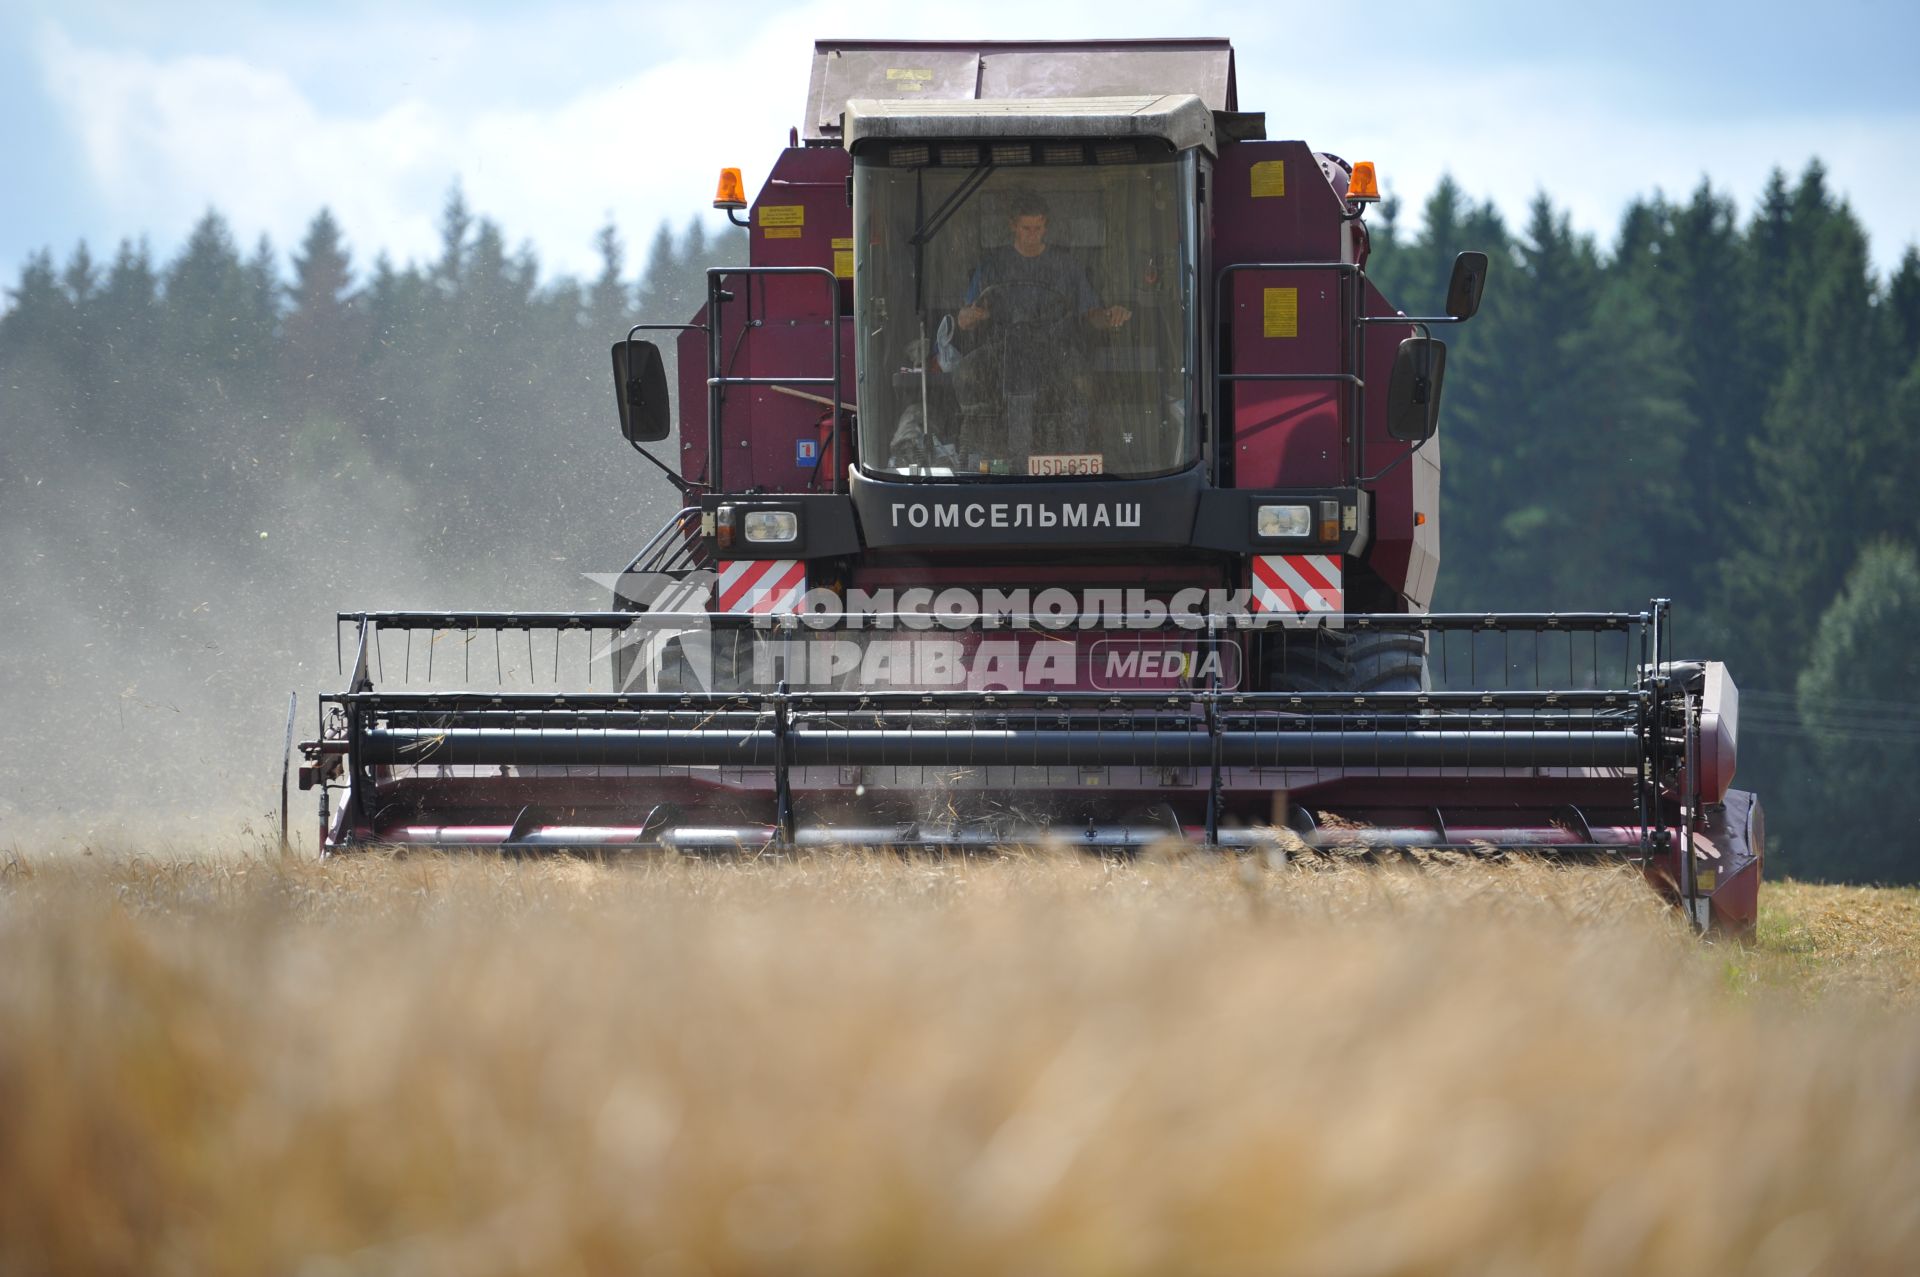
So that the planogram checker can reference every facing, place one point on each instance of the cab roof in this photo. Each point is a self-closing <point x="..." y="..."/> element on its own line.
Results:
<point x="985" y="71"/>
<point x="1181" y="119"/>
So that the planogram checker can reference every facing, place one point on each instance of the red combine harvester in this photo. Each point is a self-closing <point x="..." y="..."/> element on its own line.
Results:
<point x="1054" y="471"/>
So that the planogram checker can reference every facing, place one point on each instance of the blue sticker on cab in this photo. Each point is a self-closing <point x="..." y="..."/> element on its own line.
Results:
<point x="806" y="452"/>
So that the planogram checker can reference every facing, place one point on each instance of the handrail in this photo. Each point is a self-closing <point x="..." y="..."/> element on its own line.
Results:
<point x="667" y="545"/>
<point x="1396" y="622"/>
<point x="1353" y="374"/>
<point x="717" y="380"/>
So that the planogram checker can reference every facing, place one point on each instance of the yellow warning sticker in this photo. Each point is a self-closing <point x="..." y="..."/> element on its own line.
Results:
<point x="779" y="232"/>
<point x="1269" y="179"/>
<point x="1282" y="312"/>
<point x="909" y="79"/>
<point x="783" y="214"/>
<point x="843" y="258"/>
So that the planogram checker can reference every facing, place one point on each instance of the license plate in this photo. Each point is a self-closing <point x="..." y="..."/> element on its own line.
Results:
<point x="1068" y="463"/>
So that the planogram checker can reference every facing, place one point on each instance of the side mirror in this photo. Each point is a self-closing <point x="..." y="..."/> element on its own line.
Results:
<point x="1413" y="396"/>
<point x="640" y="388"/>
<point x="1468" y="282"/>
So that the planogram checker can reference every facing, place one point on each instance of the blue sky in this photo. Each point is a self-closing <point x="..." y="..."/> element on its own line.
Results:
<point x="122" y="119"/>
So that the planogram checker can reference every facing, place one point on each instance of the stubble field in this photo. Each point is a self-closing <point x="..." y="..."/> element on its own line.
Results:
<point x="231" y="1063"/>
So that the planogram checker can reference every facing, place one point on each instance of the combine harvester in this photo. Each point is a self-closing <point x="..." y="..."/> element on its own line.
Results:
<point x="1054" y="472"/>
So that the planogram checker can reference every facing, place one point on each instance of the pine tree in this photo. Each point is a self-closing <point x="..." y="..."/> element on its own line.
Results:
<point x="207" y="298"/>
<point x="322" y="271"/>
<point x="130" y="323"/>
<point x="323" y="337"/>
<point x="1903" y="299"/>
<point x="1898" y="468"/>
<point x="38" y="382"/>
<point x="1819" y="458"/>
<point x="698" y="251"/>
<point x="455" y="222"/>
<point x="1383" y="234"/>
<point x="1786" y="256"/>
<point x="1620" y="435"/>
<point x="81" y="277"/>
<point x="607" y="304"/>
<point x="1514" y="500"/>
<point x="1856" y="698"/>
<point x="39" y="303"/>
<point x="1770" y="256"/>
<point x="1645" y="227"/>
<point x="1695" y="273"/>
<point x="262" y="277"/>
<point x="689" y="283"/>
<point x="132" y="288"/>
<point x="394" y="360"/>
<point x="200" y="398"/>
<point x="693" y="249"/>
<point x="654" y="303"/>
<point x="89" y="363"/>
<point x="383" y="306"/>
<point x="489" y="276"/>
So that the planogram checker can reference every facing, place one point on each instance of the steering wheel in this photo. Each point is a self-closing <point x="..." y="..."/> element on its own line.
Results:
<point x="1055" y="309"/>
<point x="1035" y="358"/>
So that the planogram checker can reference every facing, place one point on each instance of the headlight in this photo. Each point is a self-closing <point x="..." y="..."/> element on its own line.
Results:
<point x="772" y="525"/>
<point x="1282" y="521"/>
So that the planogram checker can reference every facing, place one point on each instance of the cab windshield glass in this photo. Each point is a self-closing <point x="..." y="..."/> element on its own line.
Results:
<point x="1022" y="309"/>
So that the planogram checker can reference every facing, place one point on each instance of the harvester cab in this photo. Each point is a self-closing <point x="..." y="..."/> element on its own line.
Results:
<point x="1052" y="470"/>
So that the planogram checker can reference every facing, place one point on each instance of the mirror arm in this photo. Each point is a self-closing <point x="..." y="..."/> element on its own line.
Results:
<point x="1395" y="464"/>
<point x="1416" y="320"/>
<point x="679" y="483"/>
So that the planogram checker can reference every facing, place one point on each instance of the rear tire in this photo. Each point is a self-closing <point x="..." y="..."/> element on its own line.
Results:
<point x="1343" y="661"/>
<point x="731" y="668"/>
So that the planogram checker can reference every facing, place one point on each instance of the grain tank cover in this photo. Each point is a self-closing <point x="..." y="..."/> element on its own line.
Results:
<point x="1181" y="119"/>
<point x="961" y="71"/>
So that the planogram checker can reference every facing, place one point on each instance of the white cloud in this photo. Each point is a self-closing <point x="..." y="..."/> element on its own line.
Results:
<point x="164" y="138"/>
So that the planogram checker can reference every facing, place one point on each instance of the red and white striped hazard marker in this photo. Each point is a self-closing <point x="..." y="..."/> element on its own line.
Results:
<point x="1297" y="583"/>
<point x="762" y="587"/>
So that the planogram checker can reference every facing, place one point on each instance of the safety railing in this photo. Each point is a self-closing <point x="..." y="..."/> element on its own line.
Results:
<point x="1351" y="373"/>
<point x="718" y="379"/>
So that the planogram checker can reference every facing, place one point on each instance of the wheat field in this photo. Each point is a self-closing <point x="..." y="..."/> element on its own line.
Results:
<point x="236" y="1064"/>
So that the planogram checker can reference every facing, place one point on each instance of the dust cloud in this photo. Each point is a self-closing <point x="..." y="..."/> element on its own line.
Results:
<point x="202" y="463"/>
